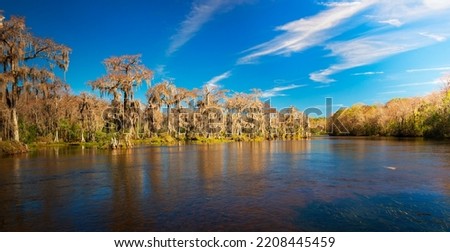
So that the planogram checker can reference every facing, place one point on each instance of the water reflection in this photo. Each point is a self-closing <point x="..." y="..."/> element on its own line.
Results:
<point x="266" y="186"/>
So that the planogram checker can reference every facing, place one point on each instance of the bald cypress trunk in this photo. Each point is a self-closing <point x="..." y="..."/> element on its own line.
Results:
<point x="15" y="125"/>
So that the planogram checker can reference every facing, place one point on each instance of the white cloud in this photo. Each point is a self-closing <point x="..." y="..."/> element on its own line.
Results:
<point x="437" y="4"/>
<point x="366" y="48"/>
<point x="276" y="91"/>
<point x="288" y="87"/>
<point x="394" y="22"/>
<point x="428" y="69"/>
<point x="303" y="33"/>
<point x="391" y="12"/>
<point x="339" y="4"/>
<point x="201" y="12"/>
<point x="363" y="51"/>
<point x="322" y="76"/>
<point x="370" y="49"/>
<point x="438" y="38"/>
<point x="214" y="82"/>
<point x="367" y="73"/>
<point x="376" y="45"/>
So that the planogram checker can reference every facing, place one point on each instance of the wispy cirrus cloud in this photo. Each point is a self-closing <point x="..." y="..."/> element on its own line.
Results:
<point x="366" y="50"/>
<point x="394" y="22"/>
<point x="367" y="73"/>
<point x="437" y="4"/>
<point x="304" y="33"/>
<point x="201" y="12"/>
<point x="437" y="37"/>
<point x="277" y="91"/>
<point x="339" y="4"/>
<point x="214" y="82"/>
<point x="372" y="47"/>
<point x="433" y="69"/>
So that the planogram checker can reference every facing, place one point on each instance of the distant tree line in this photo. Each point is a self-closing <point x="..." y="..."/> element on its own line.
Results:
<point x="427" y="116"/>
<point x="36" y="104"/>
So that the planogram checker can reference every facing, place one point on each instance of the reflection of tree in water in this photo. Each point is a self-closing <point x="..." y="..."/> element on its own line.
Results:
<point x="154" y="172"/>
<point x="53" y="195"/>
<point x="8" y="213"/>
<point x="127" y="177"/>
<point x="210" y="166"/>
<point x="269" y="186"/>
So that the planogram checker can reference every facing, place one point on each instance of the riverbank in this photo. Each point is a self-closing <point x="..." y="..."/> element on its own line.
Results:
<point x="156" y="141"/>
<point x="12" y="147"/>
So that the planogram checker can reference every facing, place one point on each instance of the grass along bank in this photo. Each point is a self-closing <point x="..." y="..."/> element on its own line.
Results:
<point x="12" y="147"/>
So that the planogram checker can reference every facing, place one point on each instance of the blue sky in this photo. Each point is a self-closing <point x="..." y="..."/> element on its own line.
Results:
<point x="297" y="52"/>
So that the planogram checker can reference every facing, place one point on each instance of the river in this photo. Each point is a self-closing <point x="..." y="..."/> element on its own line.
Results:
<point x="322" y="184"/>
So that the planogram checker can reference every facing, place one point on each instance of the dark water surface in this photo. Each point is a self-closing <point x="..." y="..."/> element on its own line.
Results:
<point x="324" y="184"/>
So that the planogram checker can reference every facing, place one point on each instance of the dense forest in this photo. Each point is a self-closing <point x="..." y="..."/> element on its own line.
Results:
<point x="37" y="105"/>
<point x="427" y="116"/>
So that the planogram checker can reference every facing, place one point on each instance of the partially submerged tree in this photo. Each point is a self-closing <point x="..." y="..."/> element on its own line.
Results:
<point x="25" y="61"/>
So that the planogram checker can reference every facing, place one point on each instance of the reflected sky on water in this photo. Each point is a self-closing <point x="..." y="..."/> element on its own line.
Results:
<point x="323" y="184"/>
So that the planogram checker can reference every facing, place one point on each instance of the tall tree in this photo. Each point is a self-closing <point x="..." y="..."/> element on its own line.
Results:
<point x="153" y="111"/>
<point x="210" y="98"/>
<point x="182" y="118"/>
<point x="25" y="59"/>
<point x="183" y="95"/>
<point x="168" y="91"/>
<point x="86" y="106"/>
<point x="124" y="74"/>
<point x="211" y="95"/>
<point x="235" y="106"/>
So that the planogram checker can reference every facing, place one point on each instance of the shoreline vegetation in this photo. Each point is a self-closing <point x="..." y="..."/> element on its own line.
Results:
<point x="13" y="148"/>
<point x="38" y="109"/>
